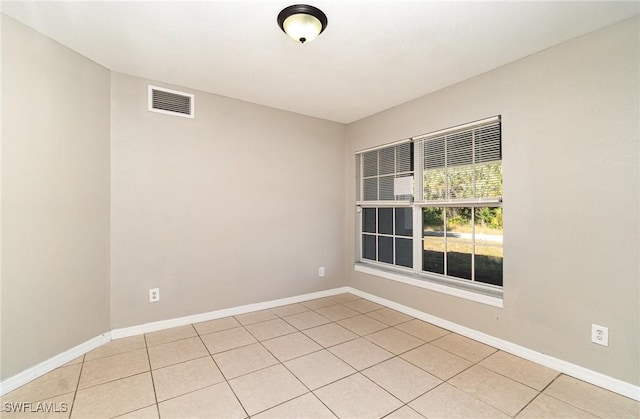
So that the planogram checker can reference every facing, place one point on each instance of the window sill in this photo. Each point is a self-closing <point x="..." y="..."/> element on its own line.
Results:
<point x="492" y="297"/>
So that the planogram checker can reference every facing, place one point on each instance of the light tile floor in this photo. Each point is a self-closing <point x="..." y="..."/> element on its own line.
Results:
<point x="339" y="356"/>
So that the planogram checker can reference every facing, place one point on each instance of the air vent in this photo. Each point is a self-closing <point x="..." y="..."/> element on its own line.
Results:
<point x="171" y="102"/>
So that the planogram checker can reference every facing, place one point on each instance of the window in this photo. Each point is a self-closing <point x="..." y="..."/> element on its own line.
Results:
<point x="387" y="216"/>
<point x="450" y="184"/>
<point x="461" y="202"/>
<point x="387" y="235"/>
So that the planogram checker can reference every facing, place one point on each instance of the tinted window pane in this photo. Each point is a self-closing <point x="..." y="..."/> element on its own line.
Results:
<point x="385" y="249"/>
<point x="459" y="259"/>
<point x="433" y="255"/>
<point x="433" y="243"/>
<point x="459" y="222"/>
<point x="488" y="262"/>
<point x="369" y="247"/>
<point x="404" y="222"/>
<point x="433" y="222"/>
<point x="459" y="241"/>
<point x="385" y="220"/>
<point x="488" y="269"/>
<point x="404" y="252"/>
<point x="369" y="220"/>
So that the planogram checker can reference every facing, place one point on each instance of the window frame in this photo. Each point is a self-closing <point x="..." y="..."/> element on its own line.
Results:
<point x="465" y="288"/>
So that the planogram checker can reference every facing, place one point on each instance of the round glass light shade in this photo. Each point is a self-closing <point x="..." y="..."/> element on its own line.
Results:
<point x="302" y="27"/>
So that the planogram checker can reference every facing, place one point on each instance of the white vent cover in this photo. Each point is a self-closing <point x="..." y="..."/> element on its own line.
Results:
<point x="171" y="102"/>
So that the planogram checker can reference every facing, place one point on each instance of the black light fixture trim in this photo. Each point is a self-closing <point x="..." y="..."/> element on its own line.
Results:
<point x="302" y="9"/>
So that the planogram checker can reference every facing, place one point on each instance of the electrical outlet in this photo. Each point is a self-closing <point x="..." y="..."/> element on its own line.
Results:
<point x="321" y="271"/>
<point x="154" y="295"/>
<point x="600" y="335"/>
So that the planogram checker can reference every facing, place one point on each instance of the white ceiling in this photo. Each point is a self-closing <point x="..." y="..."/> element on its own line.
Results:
<point x="373" y="55"/>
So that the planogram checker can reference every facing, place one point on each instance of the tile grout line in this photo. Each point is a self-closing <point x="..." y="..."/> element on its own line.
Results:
<point x="291" y="372"/>
<point x="538" y="392"/>
<point x="75" y="393"/>
<point x="153" y="383"/>
<point x="382" y="388"/>
<point x="327" y="347"/>
<point x="527" y="404"/>
<point x="565" y="401"/>
<point x="275" y="337"/>
<point x="551" y="382"/>
<point x="515" y="380"/>
<point x="51" y="396"/>
<point x="459" y="356"/>
<point x="211" y="356"/>
<point x="260" y="342"/>
<point x="472" y="395"/>
<point x="356" y="371"/>
<point x="299" y="380"/>
<point x="244" y="409"/>
<point x="421" y="394"/>
<point x="361" y="372"/>
<point x="114" y="380"/>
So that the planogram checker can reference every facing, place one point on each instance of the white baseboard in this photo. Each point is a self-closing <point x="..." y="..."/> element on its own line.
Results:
<point x="196" y="318"/>
<point x="573" y="370"/>
<point x="52" y="363"/>
<point x="593" y="377"/>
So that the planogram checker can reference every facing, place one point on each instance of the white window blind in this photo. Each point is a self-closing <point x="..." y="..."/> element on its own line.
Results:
<point x="378" y="169"/>
<point x="461" y="164"/>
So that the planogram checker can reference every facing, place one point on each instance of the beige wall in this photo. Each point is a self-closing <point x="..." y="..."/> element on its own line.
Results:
<point x="571" y="158"/>
<point x="55" y="198"/>
<point x="240" y="205"/>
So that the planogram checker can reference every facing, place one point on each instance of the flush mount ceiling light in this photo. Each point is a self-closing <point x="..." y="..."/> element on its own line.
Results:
<point x="303" y="23"/>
